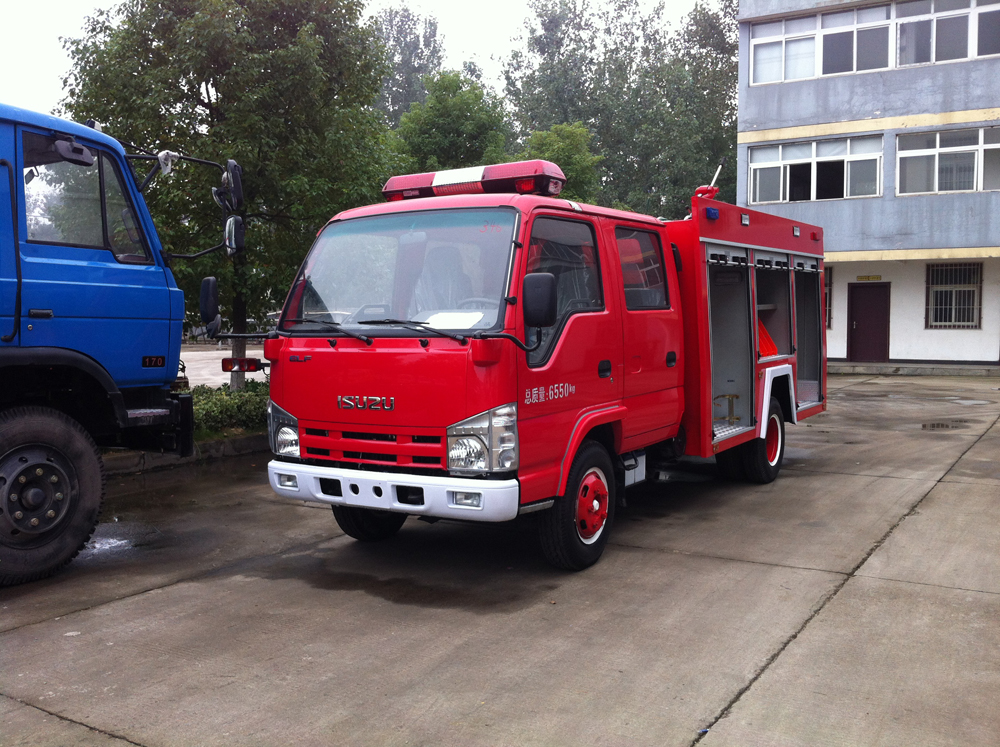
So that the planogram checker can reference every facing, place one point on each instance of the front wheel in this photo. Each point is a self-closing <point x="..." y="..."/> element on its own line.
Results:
<point x="51" y="490"/>
<point x="575" y="530"/>
<point x="368" y="524"/>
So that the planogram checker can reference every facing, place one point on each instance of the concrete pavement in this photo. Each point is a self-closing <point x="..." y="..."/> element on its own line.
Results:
<point x="853" y="601"/>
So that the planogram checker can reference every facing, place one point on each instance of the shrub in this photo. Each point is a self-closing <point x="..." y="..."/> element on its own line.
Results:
<point x="222" y="408"/>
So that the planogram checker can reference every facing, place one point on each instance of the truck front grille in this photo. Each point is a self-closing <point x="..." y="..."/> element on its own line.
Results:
<point x="399" y="447"/>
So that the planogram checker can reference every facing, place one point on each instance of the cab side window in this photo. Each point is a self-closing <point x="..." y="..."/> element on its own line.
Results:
<point x="75" y="205"/>
<point x="568" y="250"/>
<point x="642" y="269"/>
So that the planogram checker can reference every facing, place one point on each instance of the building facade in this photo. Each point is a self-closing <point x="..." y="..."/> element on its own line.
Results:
<point x="881" y="123"/>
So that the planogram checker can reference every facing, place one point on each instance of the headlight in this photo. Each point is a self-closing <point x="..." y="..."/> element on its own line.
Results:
<point x="486" y="442"/>
<point x="283" y="431"/>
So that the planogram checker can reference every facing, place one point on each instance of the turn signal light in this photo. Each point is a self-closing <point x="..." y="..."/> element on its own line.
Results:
<point x="243" y="364"/>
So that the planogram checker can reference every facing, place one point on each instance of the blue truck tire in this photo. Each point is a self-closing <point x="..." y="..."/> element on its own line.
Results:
<point x="52" y="487"/>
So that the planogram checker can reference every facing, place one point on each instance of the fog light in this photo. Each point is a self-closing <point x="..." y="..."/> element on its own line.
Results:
<point x="288" y="481"/>
<point x="471" y="500"/>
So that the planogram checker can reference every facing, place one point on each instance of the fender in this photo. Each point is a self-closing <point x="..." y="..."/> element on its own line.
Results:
<point x="770" y="374"/>
<point x="587" y="421"/>
<point x="47" y="356"/>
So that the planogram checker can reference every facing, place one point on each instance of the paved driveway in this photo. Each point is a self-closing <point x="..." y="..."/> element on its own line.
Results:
<point x="855" y="601"/>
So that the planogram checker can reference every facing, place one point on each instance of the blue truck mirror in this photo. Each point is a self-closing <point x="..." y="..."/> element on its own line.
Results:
<point x="208" y="303"/>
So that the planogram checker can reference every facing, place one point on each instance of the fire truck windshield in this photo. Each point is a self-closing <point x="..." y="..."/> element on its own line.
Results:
<point x="445" y="269"/>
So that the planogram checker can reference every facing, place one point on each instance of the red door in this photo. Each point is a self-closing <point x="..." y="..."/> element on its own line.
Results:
<point x="651" y="331"/>
<point x="577" y="368"/>
<point x="868" y="322"/>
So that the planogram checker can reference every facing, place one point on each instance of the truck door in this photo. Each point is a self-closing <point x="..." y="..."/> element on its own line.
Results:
<point x="578" y="364"/>
<point x="90" y="282"/>
<point x="651" y="330"/>
<point x="8" y="250"/>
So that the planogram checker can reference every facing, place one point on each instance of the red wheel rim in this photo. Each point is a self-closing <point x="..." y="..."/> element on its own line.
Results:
<point x="592" y="505"/>
<point x="773" y="440"/>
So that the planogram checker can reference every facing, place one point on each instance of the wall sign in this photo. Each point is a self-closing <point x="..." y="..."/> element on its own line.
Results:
<point x="868" y="278"/>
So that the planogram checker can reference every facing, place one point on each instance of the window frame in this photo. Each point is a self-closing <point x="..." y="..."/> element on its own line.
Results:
<point x="783" y="165"/>
<point x="976" y="288"/>
<point x="552" y="343"/>
<point x="979" y="150"/>
<point x="892" y="23"/>
<point x="658" y="248"/>
<point x="100" y="154"/>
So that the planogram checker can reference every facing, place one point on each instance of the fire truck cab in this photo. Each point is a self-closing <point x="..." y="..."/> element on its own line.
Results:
<point x="477" y="349"/>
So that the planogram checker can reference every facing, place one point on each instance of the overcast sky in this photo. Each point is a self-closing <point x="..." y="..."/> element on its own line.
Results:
<point x="33" y="61"/>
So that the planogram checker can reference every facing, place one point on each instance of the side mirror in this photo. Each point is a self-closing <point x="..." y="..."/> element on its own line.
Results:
<point x="232" y="182"/>
<point x="74" y="153"/>
<point x="209" y="302"/>
<point x="234" y="238"/>
<point x="538" y="299"/>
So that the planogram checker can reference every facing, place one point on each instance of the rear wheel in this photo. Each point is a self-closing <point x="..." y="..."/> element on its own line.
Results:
<point x="575" y="530"/>
<point x="51" y="491"/>
<point x="368" y="524"/>
<point x="763" y="456"/>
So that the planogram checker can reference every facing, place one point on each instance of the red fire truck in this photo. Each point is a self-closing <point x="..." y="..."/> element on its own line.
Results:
<point x="477" y="348"/>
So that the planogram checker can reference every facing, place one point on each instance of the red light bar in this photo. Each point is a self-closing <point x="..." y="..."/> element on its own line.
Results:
<point x="524" y="177"/>
<point x="243" y="364"/>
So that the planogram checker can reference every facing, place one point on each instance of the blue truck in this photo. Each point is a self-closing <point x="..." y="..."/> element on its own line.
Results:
<point x="90" y="328"/>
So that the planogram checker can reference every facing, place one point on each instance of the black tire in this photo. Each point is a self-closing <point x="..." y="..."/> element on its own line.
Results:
<point x="368" y="524"/>
<point x="730" y="463"/>
<point x="51" y="489"/>
<point x="762" y="457"/>
<point x="569" y="541"/>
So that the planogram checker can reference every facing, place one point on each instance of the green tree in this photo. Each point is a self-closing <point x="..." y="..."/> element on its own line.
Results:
<point x="283" y="86"/>
<point x="661" y="106"/>
<point x="460" y="123"/>
<point x="413" y="50"/>
<point x="568" y="146"/>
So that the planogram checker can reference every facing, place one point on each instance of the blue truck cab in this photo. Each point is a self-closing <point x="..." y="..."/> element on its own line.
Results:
<point x="90" y="335"/>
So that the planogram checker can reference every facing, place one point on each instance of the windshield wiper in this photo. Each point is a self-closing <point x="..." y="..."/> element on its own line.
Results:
<point x="416" y="326"/>
<point x="333" y="325"/>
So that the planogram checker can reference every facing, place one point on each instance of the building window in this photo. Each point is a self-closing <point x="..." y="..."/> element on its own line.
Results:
<point x="816" y="170"/>
<point x="828" y="295"/>
<point x="954" y="294"/>
<point x="854" y="41"/>
<point x="948" y="161"/>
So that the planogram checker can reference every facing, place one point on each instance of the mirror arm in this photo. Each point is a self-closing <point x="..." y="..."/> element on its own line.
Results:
<point x="149" y="177"/>
<point x="505" y="336"/>
<point x="168" y="255"/>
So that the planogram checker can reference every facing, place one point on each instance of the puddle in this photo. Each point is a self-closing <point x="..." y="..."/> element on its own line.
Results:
<point x="945" y="425"/>
<point x="108" y="544"/>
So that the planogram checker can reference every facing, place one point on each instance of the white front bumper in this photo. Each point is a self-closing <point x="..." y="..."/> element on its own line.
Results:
<point x="500" y="498"/>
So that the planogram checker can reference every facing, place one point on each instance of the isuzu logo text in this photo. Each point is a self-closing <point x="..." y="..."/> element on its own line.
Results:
<point x="366" y="403"/>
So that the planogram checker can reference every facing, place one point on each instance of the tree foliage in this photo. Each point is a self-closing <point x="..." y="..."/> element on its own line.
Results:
<point x="661" y="106"/>
<point x="568" y="145"/>
<point x="283" y="86"/>
<point x="413" y="50"/>
<point x="460" y="123"/>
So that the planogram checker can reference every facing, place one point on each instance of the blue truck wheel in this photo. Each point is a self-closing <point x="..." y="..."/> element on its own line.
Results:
<point x="51" y="490"/>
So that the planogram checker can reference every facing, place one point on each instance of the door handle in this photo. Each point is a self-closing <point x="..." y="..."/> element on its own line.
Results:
<point x="671" y="359"/>
<point x="39" y="313"/>
<point x="604" y="369"/>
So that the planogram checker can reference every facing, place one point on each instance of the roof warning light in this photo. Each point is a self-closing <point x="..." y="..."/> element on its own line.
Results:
<point x="522" y="177"/>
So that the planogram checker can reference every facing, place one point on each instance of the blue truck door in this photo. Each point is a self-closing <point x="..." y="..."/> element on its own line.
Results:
<point x="8" y="251"/>
<point x="90" y="281"/>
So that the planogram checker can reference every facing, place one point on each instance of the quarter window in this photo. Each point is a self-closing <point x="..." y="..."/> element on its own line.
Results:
<point x="642" y="269"/>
